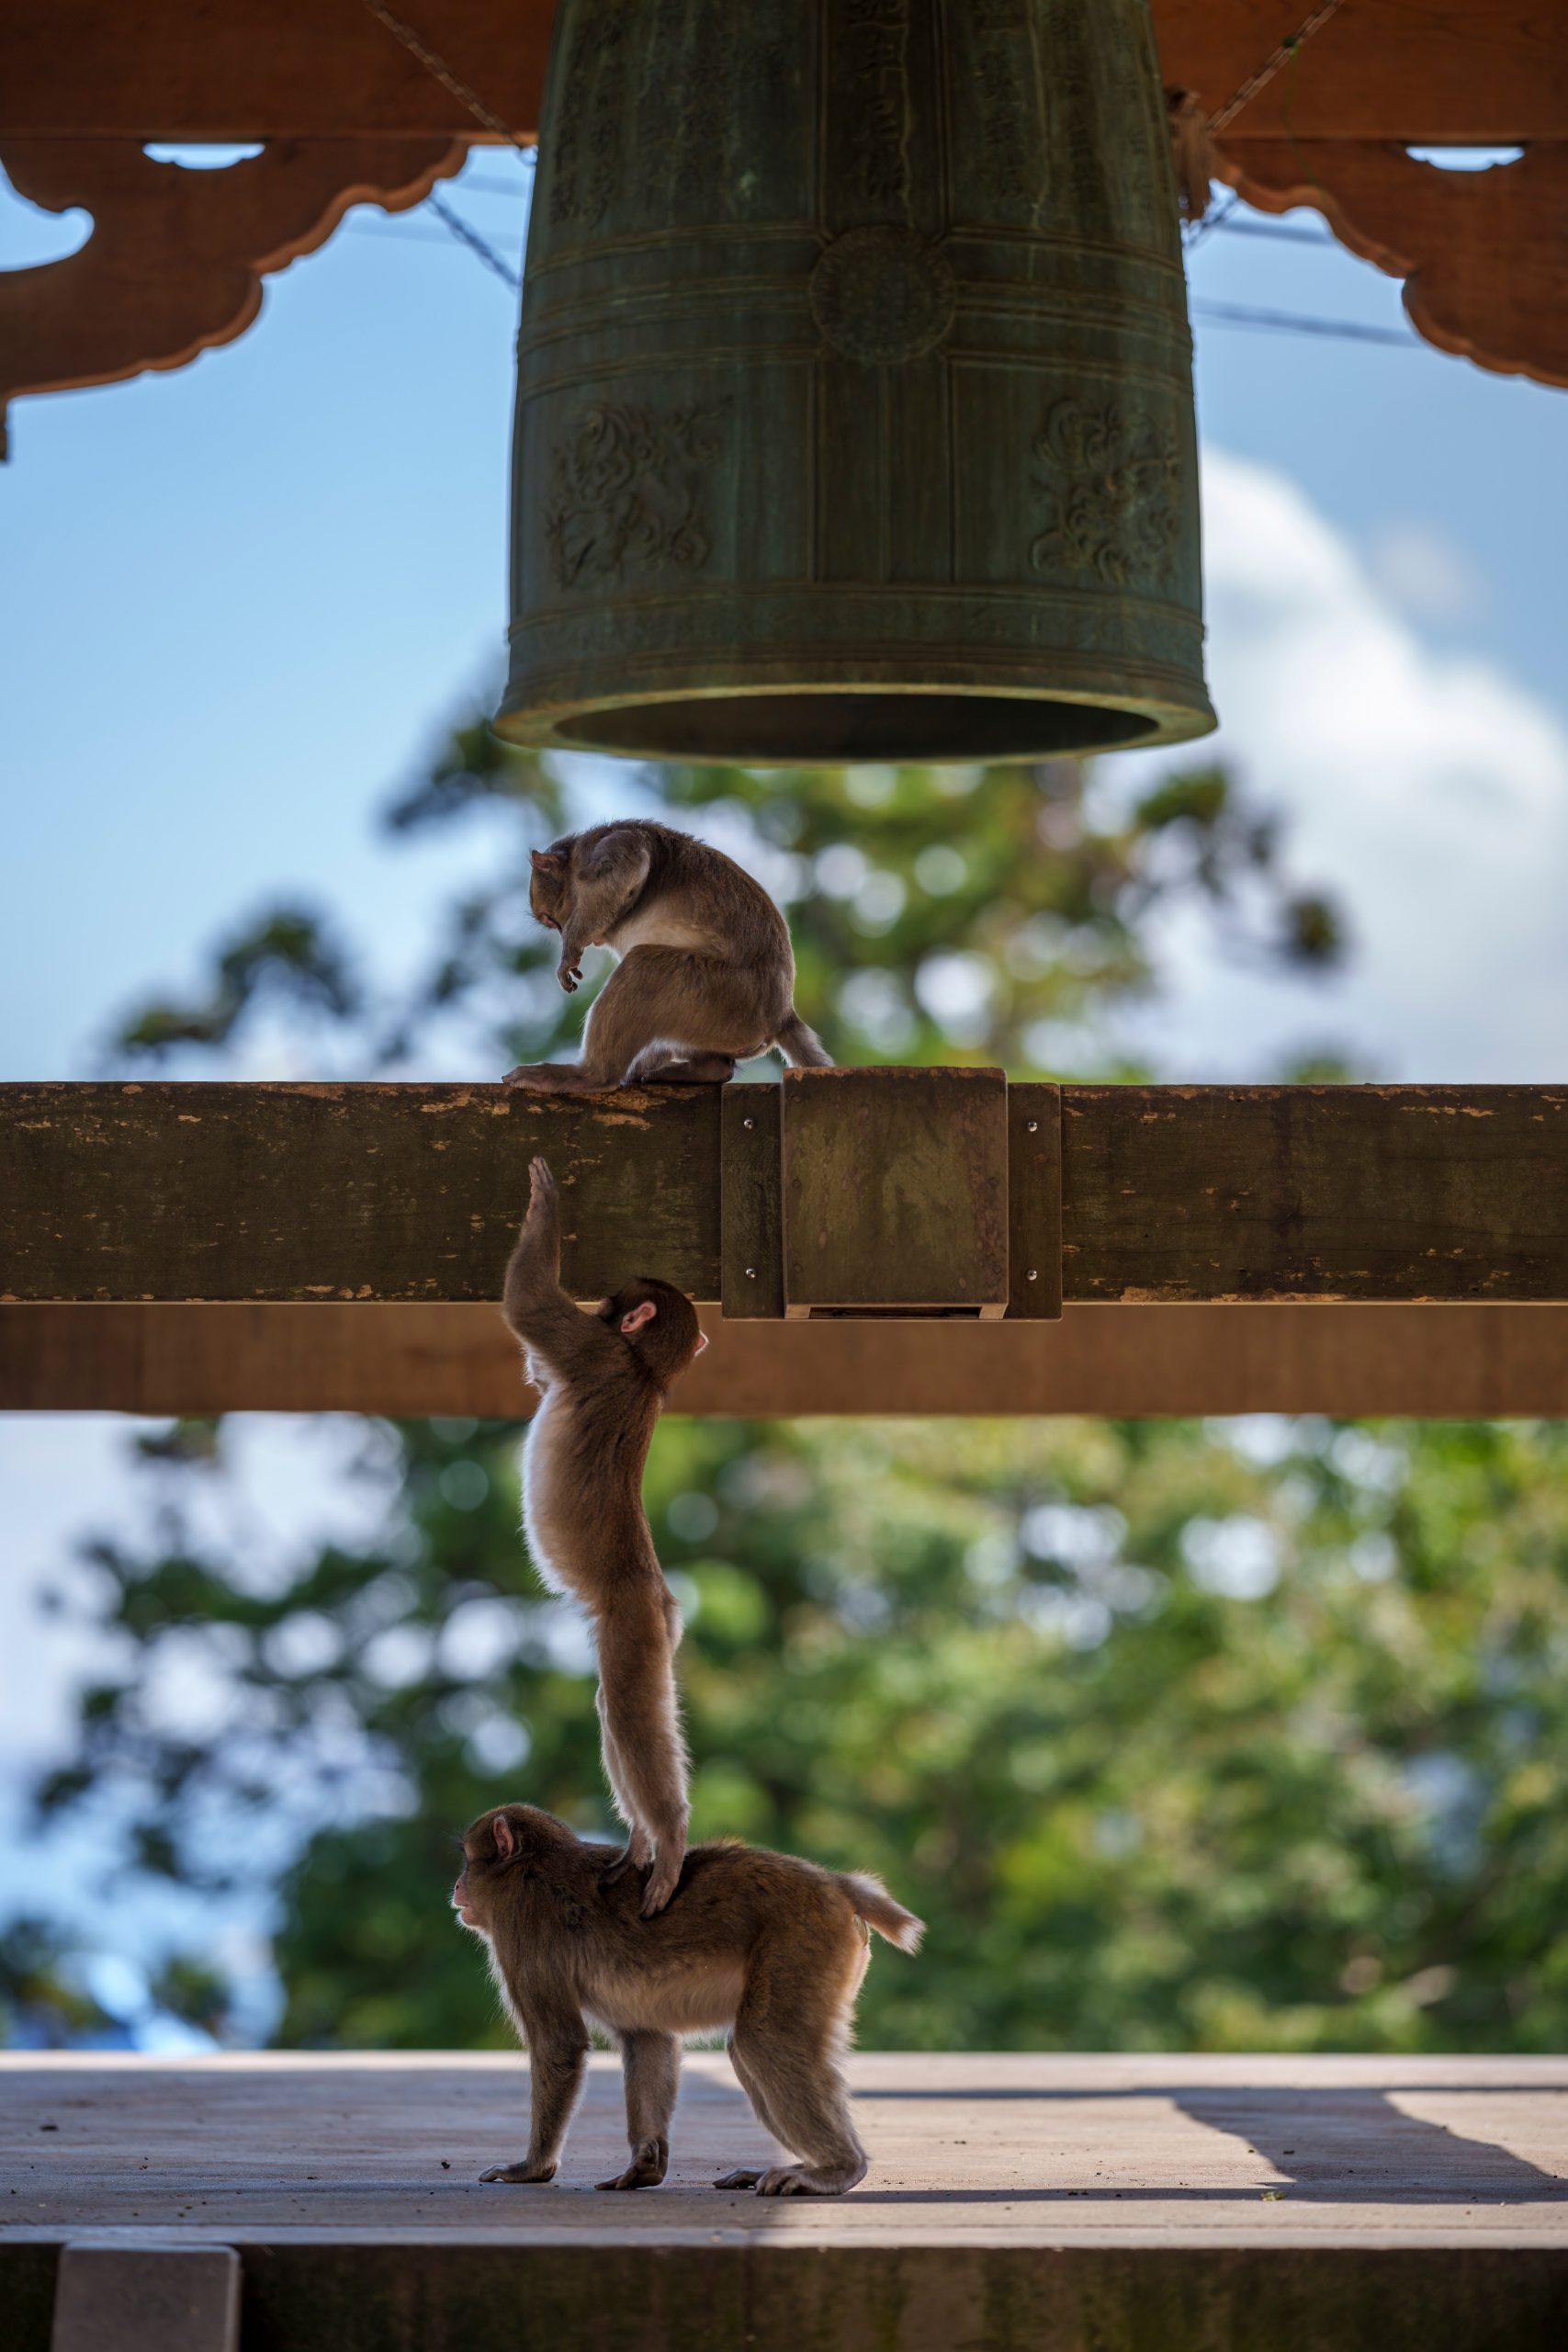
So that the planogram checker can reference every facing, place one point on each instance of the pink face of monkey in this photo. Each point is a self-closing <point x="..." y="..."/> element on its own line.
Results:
<point x="489" y="1842"/>
<point x="549" y="888"/>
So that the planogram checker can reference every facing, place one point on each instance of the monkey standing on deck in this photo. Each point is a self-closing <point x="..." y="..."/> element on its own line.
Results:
<point x="771" y="1947"/>
<point x="708" y="972"/>
<point x="602" y="1380"/>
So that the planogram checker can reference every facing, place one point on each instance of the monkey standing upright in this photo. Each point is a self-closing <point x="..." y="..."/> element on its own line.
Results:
<point x="771" y="1948"/>
<point x="603" y="1380"/>
<point x="708" y="971"/>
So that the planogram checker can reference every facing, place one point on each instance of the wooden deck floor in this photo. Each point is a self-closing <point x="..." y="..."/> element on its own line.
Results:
<point x="978" y="2159"/>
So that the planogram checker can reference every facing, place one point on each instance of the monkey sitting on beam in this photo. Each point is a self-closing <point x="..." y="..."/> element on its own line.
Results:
<point x="603" y="1380"/>
<point x="773" y="1948"/>
<point x="707" y="978"/>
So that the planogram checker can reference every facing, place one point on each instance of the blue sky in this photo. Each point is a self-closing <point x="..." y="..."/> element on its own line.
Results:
<point x="240" y="597"/>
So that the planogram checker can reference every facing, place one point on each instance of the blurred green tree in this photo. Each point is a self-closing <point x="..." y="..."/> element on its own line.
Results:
<point x="1241" y="1735"/>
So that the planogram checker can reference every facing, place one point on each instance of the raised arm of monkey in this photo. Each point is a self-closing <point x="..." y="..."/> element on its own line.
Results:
<point x="707" y="976"/>
<point x="603" y="1380"/>
<point x="771" y="1948"/>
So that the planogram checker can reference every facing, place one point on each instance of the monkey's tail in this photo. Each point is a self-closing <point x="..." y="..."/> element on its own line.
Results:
<point x="801" y="1047"/>
<point x="876" y="1907"/>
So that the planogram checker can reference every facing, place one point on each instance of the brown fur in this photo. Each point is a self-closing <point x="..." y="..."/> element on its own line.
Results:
<point x="603" y="1380"/>
<point x="708" y="972"/>
<point x="773" y="1949"/>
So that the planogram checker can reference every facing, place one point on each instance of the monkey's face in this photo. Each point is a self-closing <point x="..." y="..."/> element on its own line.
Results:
<point x="463" y="1900"/>
<point x="492" y="1845"/>
<point x="549" y="887"/>
<point x="659" y="1322"/>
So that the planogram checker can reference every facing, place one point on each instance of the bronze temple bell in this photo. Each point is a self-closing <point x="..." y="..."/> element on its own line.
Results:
<point x="855" y="400"/>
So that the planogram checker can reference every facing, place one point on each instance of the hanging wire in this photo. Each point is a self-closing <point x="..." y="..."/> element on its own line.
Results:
<point x="458" y="227"/>
<point x="1194" y="232"/>
<point x="1282" y="56"/>
<point x="1233" y="314"/>
<point x="1272" y="229"/>
<point x="437" y="66"/>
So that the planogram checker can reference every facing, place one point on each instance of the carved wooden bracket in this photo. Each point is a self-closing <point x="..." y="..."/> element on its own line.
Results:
<point x="176" y="257"/>
<point x="1484" y="254"/>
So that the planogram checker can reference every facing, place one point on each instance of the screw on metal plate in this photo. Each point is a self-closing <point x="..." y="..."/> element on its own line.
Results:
<point x="1033" y="1275"/>
<point x="747" y="1124"/>
<point x="750" y="1273"/>
<point x="1034" y="1126"/>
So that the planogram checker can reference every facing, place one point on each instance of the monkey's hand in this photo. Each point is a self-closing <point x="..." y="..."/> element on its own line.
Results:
<point x="544" y="1192"/>
<point x="569" y="971"/>
<point x="661" y="1884"/>
<point x="523" y="2175"/>
<point x="636" y="1854"/>
<point x="548" y="1077"/>
<point x="647" y="2169"/>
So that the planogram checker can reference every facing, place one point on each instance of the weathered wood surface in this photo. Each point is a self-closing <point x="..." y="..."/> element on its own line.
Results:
<point x="175" y="261"/>
<point x="413" y="1192"/>
<point x="198" y="1192"/>
<point x="1014" y="2204"/>
<point x="1478" y="70"/>
<point x="752" y="1185"/>
<point x="1443" y="1362"/>
<point x="1034" y="1203"/>
<point x="1440" y="1193"/>
<point x="1484" y="254"/>
<point x="895" y="1189"/>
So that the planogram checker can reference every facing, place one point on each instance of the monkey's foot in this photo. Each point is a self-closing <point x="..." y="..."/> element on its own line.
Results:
<point x="523" y="2175"/>
<point x="548" y="1077"/>
<point x="808" y="2180"/>
<point x="647" y="2169"/>
<point x="688" y="1069"/>
<point x="737" y="2180"/>
<point x="662" y="1885"/>
<point x="636" y="1855"/>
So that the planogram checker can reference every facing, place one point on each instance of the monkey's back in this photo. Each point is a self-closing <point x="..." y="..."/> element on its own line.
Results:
<point x="743" y="1923"/>
<point x="722" y="900"/>
<point x="582" y="1459"/>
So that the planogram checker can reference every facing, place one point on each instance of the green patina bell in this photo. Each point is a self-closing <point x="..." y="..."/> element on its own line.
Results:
<point x="854" y="402"/>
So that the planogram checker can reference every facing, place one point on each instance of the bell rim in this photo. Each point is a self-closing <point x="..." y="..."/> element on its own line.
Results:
<point x="533" y="722"/>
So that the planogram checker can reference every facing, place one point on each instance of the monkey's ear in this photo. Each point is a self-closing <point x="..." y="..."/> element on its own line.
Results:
<point x="702" y="1343"/>
<point x="634" y="1321"/>
<point x="546" y="861"/>
<point x="505" y="1838"/>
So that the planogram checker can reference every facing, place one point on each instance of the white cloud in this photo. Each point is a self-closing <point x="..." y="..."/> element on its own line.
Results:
<point x="1423" y="573"/>
<point x="1428" y="791"/>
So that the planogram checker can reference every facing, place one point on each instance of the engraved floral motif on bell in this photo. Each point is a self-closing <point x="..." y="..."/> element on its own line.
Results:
<point x="854" y="404"/>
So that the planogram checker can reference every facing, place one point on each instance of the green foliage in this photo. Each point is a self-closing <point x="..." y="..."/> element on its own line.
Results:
<point x="962" y="914"/>
<point x="288" y="955"/>
<point x="1173" y="1747"/>
<point x="996" y="1661"/>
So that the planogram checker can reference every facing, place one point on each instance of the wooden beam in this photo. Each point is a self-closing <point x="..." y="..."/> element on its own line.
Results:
<point x="211" y="1193"/>
<point x="1419" y="1192"/>
<point x="1423" y="70"/>
<point x="1448" y="1362"/>
<point x="198" y="1192"/>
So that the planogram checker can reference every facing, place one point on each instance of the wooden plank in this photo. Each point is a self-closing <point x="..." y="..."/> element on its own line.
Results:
<point x="895" y="1190"/>
<point x="1064" y="2202"/>
<point x="1418" y="1193"/>
<point x="1169" y="1194"/>
<point x="1429" y="72"/>
<point x="266" y="69"/>
<point x="1034" y="1203"/>
<point x="147" y="2298"/>
<point x="1444" y="1363"/>
<point x="1425" y="71"/>
<point x="199" y="1191"/>
<point x="751" y="1206"/>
